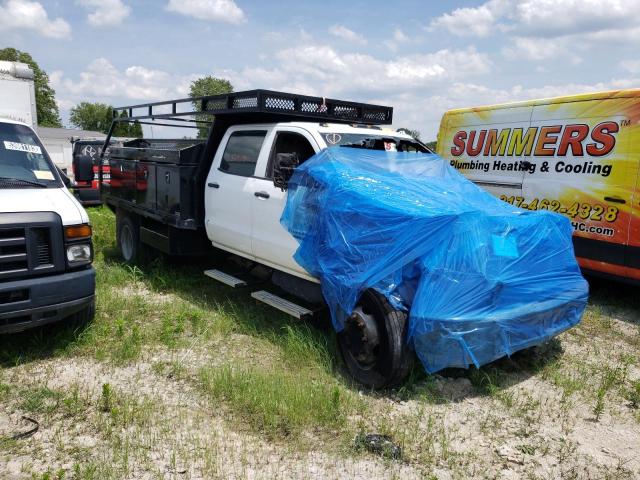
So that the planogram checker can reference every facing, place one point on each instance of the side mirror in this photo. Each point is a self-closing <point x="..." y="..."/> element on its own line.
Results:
<point x="66" y="180"/>
<point x="83" y="168"/>
<point x="283" y="168"/>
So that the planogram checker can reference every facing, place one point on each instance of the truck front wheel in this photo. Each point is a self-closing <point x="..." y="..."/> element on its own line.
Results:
<point x="128" y="237"/>
<point x="373" y="344"/>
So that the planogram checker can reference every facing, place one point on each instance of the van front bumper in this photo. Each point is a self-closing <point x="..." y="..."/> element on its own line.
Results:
<point x="37" y="301"/>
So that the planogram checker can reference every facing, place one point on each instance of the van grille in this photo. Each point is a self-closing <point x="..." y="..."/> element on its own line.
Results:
<point x="13" y="251"/>
<point x="42" y="238"/>
<point x="30" y="244"/>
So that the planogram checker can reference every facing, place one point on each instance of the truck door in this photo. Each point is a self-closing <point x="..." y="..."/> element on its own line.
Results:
<point x="583" y="170"/>
<point x="272" y="243"/>
<point x="230" y="187"/>
<point x="489" y="147"/>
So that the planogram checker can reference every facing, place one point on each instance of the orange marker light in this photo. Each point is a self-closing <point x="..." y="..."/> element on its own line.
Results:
<point x="77" y="231"/>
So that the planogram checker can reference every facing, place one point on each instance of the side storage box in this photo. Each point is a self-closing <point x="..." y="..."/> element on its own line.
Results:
<point x="158" y="178"/>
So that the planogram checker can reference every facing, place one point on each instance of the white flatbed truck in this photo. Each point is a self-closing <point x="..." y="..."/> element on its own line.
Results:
<point x="228" y="193"/>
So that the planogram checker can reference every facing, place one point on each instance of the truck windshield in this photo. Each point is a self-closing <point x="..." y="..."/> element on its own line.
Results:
<point x="374" y="142"/>
<point x="23" y="160"/>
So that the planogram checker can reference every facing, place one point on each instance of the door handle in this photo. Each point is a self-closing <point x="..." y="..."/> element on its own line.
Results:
<point x="615" y="199"/>
<point x="261" y="194"/>
<point x="213" y="185"/>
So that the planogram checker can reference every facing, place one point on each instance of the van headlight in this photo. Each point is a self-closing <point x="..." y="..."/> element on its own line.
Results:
<point x="78" y="253"/>
<point x="78" y="245"/>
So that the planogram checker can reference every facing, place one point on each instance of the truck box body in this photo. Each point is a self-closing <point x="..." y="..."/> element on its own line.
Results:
<point x="158" y="179"/>
<point x="17" y="93"/>
<point x="576" y="155"/>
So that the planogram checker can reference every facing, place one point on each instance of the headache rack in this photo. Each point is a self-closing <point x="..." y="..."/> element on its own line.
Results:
<point x="279" y="106"/>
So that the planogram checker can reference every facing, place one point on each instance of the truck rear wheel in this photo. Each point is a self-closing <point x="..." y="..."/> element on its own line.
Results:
<point x="128" y="238"/>
<point x="373" y="343"/>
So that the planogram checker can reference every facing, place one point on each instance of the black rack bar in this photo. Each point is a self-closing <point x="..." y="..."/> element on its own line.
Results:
<point x="265" y="102"/>
<point x="204" y="122"/>
<point x="158" y="124"/>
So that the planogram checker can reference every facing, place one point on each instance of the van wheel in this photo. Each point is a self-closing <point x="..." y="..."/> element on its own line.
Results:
<point x="373" y="344"/>
<point x="128" y="238"/>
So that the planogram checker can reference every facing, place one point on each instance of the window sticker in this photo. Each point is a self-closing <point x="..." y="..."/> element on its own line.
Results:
<point x="390" y="146"/>
<point x="22" y="147"/>
<point x="43" y="174"/>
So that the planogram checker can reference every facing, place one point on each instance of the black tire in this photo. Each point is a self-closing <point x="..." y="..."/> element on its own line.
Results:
<point x="391" y="360"/>
<point x="128" y="237"/>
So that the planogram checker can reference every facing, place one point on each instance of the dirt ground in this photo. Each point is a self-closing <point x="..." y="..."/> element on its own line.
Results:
<point x="529" y="429"/>
<point x="128" y="398"/>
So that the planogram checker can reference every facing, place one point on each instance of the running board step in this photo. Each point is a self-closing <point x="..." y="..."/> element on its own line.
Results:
<point x="281" y="304"/>
<point x="225" y="278"/>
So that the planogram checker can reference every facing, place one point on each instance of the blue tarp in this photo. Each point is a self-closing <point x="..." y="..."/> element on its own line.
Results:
<point x="480" y="278"/>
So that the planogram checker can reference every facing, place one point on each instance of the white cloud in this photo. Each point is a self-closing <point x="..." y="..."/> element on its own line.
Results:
<point x="543" y="18"/>
<point x="420" y="87"/>
<point x="214" y="10"/>
<point x="475" y="21"/>
<point x="557" y="18"/>
<point x="540" y="49"/>
<point x="343" y="32"/>
<point x="352" y="71"/>
<point x="398" y="38"/>
<point x="102" y="81"/>
<point x="28" y="15"/>
<point x="546" y="29"/>
<point x="106" y="12"/>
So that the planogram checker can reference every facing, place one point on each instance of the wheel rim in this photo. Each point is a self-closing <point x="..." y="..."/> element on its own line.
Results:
<point x="126" y="242"/>
<point x="362" y="337"/>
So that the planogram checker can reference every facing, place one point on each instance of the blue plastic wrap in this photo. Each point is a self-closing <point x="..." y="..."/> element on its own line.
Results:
<point x="480" y="278"/>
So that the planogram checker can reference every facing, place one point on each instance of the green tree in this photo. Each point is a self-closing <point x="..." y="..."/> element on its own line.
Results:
<point x="128" y="129"/>
<point x="413" y="133"/>
<point x="433" y="146"/>
<point x="98" y="116"/>
<point x="46" y="106"/>
<point x="91" y="116"/>
<point x="207" y="86"/>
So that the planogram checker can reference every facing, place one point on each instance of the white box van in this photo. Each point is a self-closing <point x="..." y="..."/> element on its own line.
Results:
<point x="45" y="238"/>
<point x="575" y="155"/>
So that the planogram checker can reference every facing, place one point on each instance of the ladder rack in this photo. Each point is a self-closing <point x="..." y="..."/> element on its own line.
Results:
<point x="280" y="105"/>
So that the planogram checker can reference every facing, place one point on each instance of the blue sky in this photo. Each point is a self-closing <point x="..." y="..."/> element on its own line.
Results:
<point x="421" y="57"/>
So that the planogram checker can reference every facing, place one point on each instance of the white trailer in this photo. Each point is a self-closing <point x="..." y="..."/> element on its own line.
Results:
<point x="17" y="93"/>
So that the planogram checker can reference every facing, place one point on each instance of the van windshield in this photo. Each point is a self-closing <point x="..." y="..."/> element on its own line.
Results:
<point x="23" y="160"/>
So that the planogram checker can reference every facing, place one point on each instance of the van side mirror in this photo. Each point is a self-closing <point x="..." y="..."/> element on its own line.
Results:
<point x="83" y="168"/>
<point x="65" y="179"/>
<point x="283" y="168"/>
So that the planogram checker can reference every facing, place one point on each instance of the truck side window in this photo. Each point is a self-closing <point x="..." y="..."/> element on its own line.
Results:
<point x="241" y="154"/>
<point x="289" y="142"/>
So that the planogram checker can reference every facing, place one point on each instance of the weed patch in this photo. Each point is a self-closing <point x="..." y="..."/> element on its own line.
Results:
<point x="279" y="403"/>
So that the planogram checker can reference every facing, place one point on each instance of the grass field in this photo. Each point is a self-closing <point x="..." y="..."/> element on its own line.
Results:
<point x="179" y="377"/>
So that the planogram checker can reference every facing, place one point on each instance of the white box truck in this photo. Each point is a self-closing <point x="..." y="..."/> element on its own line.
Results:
<point x="18" y="93"/>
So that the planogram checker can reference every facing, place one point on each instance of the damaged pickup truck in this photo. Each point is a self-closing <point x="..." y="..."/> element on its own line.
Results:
<point x="321" y="207"/>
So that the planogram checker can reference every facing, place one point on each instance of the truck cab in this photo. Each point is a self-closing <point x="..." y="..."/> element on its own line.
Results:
<point x="45" y="238"/>
<point x="243" y="205"/>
